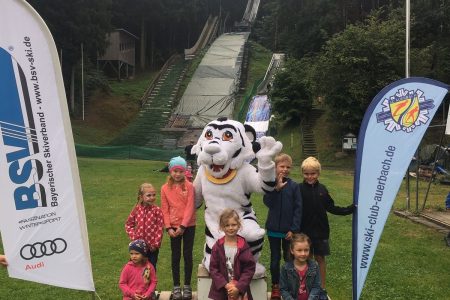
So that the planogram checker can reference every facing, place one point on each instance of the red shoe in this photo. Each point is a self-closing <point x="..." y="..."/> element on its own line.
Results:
<point x="275" y="295"/>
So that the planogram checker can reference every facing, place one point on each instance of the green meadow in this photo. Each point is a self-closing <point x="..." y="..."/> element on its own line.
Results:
<point x="411" y="262"/>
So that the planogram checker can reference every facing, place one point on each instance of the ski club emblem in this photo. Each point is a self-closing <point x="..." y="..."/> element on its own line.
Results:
<point x="405" y="110"/>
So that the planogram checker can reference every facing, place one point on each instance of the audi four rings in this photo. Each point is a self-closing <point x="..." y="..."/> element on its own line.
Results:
<point x="47" y="248"/>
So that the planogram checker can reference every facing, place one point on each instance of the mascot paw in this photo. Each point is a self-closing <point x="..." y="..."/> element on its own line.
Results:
<point x="269" y="148"/>
<point x="260" y="271"/>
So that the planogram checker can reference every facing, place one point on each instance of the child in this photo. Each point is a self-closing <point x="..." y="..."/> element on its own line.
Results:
<point x="138" y="277"/>
<point x="283" y="219"/>
<point x="316" y="202"/>
<point x="146" y="222"/>
<point x="232" y="264"/>
<point x="188" y="174"/>
<point x="177" y="204"/>
<point x="300" y="278"/>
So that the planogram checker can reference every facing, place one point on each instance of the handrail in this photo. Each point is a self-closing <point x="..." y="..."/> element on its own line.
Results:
<point x="204" y="37"/>
<point x="158" y="77"/>
<point x="275" y="63"/>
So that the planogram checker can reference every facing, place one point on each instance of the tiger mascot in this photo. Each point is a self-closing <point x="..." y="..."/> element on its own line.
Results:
<point x="226" y="179"/>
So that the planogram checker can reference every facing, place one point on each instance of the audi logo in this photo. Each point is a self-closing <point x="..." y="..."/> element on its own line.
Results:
<point x="47" y="248"/>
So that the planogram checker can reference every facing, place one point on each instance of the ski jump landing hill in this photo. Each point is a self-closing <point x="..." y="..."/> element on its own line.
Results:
<point x="212" y="89"/>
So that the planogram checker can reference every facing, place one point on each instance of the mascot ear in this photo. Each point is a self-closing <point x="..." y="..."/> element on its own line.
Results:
<point x="251" y="134"/>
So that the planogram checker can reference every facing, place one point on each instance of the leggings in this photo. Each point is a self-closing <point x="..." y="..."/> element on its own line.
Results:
<point x="188" y="243"/>
<point x="153" y="257"/>
<point x="275" y="256"/>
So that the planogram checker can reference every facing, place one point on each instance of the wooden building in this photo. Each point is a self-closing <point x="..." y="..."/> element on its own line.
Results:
<point x="120" y="55"/>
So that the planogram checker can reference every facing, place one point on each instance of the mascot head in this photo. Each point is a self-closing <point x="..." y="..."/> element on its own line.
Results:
<point x="224" y="146"/>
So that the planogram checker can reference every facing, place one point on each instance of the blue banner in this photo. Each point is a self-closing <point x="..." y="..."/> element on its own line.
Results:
<point x="390" y="133"/>
<point x="258" y="115"/>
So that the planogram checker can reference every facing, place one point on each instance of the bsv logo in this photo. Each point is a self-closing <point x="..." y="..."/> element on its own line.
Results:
<point x="405" y="110"/>
<point x="18" y="132"/>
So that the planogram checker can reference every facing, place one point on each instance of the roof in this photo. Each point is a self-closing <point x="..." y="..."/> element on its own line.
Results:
<point x="127" y="32"/>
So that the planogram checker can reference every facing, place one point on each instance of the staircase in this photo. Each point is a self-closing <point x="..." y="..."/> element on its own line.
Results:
<point x="145" y="130"/>
<point x="308" y="140"/>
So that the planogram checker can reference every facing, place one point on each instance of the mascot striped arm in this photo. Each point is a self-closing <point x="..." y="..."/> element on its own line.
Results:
<point x="226" y="179"/>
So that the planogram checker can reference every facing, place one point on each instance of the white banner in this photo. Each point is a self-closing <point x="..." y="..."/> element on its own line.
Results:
<point x="42" y="218"/>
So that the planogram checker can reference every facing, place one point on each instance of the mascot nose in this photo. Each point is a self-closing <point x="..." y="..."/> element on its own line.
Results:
<point x="212" y="148"/>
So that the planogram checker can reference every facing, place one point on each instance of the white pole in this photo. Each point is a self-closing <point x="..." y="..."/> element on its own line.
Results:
<point x="407" y="38"/>
<point x="407" y="7"/>
<point x="82" y="79"/>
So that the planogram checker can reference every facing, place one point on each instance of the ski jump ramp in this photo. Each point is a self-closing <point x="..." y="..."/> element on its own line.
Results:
<point x="211" y="92"/>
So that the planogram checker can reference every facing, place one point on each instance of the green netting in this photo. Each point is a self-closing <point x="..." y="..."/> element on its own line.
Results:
<point x="127" y="152"/>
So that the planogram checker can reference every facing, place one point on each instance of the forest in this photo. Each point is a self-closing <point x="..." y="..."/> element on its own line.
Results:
<point x="341" y="53"/>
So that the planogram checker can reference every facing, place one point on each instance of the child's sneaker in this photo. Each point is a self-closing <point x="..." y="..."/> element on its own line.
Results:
<point x="153" y="296"/>
<point x="176" y="293"/>
<point x="187" y="292"/>
<point x="323" y="295"/>
<point x="275" y="295"/>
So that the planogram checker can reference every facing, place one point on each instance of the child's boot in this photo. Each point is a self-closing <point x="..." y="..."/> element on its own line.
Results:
<point x="176" y="293"/>
<point x="275" y="295"/>
<point x="187" y="292"/>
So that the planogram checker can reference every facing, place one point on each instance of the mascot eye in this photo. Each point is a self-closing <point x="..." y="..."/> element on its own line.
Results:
<point x="209" y="135"/>
<point x="227" y="136"/>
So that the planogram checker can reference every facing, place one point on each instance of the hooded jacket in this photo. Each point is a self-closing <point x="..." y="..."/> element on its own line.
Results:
<point x="132" y="280"/>
<point x="146" y="222"/>
<point x="243" y="267"/>
<point x="285" y="208"/>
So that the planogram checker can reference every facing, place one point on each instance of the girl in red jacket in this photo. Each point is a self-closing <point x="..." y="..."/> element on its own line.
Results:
<point x="177" y="204"/>
<point x="232" y="264"/>
<point x="146" y="222"/>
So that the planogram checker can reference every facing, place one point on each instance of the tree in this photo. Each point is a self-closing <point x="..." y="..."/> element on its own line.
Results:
<point x="291" y="97"/>
<point x="356" y="64"/>
<point x="73" y="23"/>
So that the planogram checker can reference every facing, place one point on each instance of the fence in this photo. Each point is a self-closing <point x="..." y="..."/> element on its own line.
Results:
<point x="126" y="152"/>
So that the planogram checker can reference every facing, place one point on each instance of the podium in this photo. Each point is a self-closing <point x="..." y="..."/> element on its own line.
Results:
<point x="258" y="286"/>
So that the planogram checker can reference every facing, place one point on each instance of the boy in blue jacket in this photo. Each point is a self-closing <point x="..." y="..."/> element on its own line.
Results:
<point x="283" y="219"/>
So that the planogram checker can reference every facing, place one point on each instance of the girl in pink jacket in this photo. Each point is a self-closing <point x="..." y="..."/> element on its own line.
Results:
<point x="138" y="278"/>
<point x="177" y="204"/>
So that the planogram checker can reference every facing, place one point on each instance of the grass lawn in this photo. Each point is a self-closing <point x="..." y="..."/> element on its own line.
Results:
<point x="411" y="262"/>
